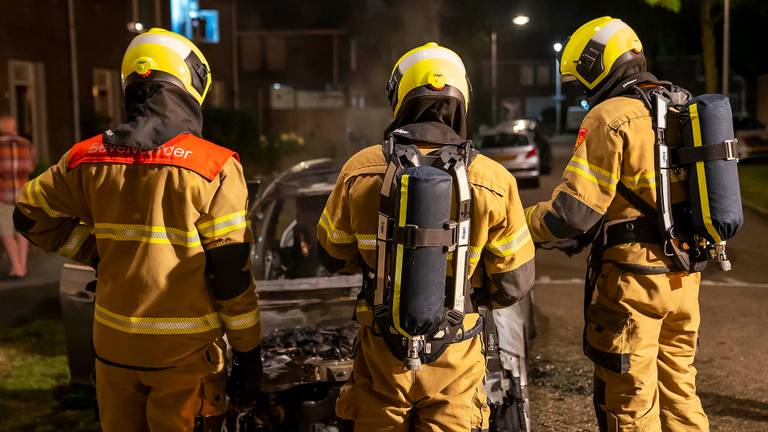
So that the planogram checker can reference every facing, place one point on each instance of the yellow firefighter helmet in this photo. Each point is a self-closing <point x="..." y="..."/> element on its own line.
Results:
<point x="162" y="55"/>
<point x="597" y="48"/>
<point x="428" y="70"/>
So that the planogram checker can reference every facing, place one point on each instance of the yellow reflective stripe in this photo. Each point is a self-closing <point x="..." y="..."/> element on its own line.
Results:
<point x="223" y="225"/>
<point x="510" y="244"/>
<point x="35" y="193"/>
<point x="156" y="325"/>
<point x="334" y="235"/>
<point x="702" y="180"/>
<point x="592" y="172"/>
<point x="648" y="180"/>
<point x="242" y="321"/>
<point x="77" y="237"/>
<point x="473" y="254"/>
<point x="147" y="234"/>
<point x="366" y="241"/>
<point x="399" y="258"/>
<point x="642" y="180"/>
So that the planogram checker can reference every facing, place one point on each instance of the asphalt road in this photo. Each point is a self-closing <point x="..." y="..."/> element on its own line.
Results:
<point x="732" y="377"/>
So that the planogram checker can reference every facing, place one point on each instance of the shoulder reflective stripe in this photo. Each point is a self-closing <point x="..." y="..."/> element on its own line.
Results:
<point x="223" y="225"/>
<point x="510" y="244"/>
<point x="607" y="31"/>
<point x="157" y="325"/>
<point x="35" y="193"/>
<point x="702" y="179"/>
<point x="592" y="173"/>
<point x="72" y="246"/>
<point x="160" y="39"/>
<point x="147" y="234"/>
<point x="240" y="322"/>
<point x="366" y="241"/>
<point x="334" y="235"/>
<point x="399" y="258"/>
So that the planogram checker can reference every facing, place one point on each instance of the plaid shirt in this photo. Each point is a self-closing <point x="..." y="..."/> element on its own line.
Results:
<point x="17" y="162"/>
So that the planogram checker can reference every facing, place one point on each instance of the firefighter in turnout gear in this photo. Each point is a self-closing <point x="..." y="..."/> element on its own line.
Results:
<point x="642" y="318"/>
<point x="436" y="383"/>
<point x="160" y="213"/>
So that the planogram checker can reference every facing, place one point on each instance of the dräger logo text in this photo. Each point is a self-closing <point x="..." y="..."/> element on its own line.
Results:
<point x="170" y="151"/>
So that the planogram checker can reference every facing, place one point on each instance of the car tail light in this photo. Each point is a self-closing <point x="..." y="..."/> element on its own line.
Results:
<point x="532" y="153"/>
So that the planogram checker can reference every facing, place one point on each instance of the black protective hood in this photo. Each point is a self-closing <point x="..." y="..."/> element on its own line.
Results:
<point x="156" y="112"/>
<point x="620" y="81"/>
<point x="448" y="111"/>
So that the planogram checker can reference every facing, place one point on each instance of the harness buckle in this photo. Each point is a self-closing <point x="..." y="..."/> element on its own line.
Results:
<point x="731" y="149"/>
<point x="454" y="317"/>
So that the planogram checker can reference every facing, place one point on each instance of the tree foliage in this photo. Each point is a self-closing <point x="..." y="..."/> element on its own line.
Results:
<point x="673" y="5"/>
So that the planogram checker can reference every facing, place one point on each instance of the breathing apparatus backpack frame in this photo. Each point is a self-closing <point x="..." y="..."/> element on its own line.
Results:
<point x="401" y="247"/>
<point x="696" y="233"/>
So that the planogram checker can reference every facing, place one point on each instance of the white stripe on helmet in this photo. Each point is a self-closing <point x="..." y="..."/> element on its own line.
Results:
<point x="430" y="53"/>
<point x="605" y="32"/>
<point x="160" y="39"/>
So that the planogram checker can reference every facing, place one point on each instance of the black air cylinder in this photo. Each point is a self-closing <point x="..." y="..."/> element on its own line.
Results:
<point x="419" y="274"/>
<point x="713" y="184"/>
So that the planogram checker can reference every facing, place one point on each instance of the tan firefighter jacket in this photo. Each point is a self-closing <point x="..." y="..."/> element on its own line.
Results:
<point x="152" y="217"/>
<point x="615" y="144"/>
<point x="499" y="238"/>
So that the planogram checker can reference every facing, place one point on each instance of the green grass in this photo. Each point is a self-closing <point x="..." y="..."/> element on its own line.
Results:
<point x="754" y="184"/>
<point x="34" y="382"/>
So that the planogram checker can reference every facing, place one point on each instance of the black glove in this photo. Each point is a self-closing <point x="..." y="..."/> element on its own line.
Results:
<point x="245" y="376"/>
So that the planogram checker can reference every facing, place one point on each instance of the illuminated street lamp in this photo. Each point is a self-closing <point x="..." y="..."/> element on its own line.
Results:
<point x="557" y="47"/>
<point x="521" y="20"/>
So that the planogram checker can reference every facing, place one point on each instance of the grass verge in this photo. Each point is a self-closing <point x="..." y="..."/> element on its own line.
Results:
<point x="754" y="181"/>
<point x="35" y="394"/>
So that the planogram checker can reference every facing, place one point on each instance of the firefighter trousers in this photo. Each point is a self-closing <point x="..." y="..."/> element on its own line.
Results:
<point x="190" y="397"/>
<point x="641" y="334"/>
<point x="446" y="395"/>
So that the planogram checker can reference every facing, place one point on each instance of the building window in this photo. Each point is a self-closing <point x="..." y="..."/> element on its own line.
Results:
<point x="26" y="84"/>
<point x="276" y="50"/>
<point x="543" y="75"/>
<point x="251" y="53"/>
<point x="201" y="25"/>
<point x="106" y="96"/>
<point x="526" y="75"/>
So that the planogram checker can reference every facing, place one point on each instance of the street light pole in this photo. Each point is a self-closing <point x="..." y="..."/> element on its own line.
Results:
<point x="558" y="89"/>
<point x="494" y="80"/>
<point x="518" y="20"/>
<point x="726" y="44"/>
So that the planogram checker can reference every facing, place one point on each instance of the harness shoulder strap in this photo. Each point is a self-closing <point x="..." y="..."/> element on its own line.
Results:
<point x="637" y="201"/>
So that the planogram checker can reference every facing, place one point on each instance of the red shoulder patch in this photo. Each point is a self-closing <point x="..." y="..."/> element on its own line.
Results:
<point x="580" y="138"/>
<point x="185" y="151"/>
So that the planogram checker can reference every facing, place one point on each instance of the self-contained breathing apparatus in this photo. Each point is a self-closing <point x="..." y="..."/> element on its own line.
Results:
<point x="695" y="135"/>
<point x="419" y="304"/>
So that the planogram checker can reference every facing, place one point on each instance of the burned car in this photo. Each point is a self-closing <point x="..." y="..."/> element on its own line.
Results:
<point x="306" y="314"/>
<point x="300" y="299"/>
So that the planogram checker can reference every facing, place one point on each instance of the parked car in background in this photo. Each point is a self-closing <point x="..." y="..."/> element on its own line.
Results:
<point x="752" y="136"/>
<point x="517" y="146"/>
